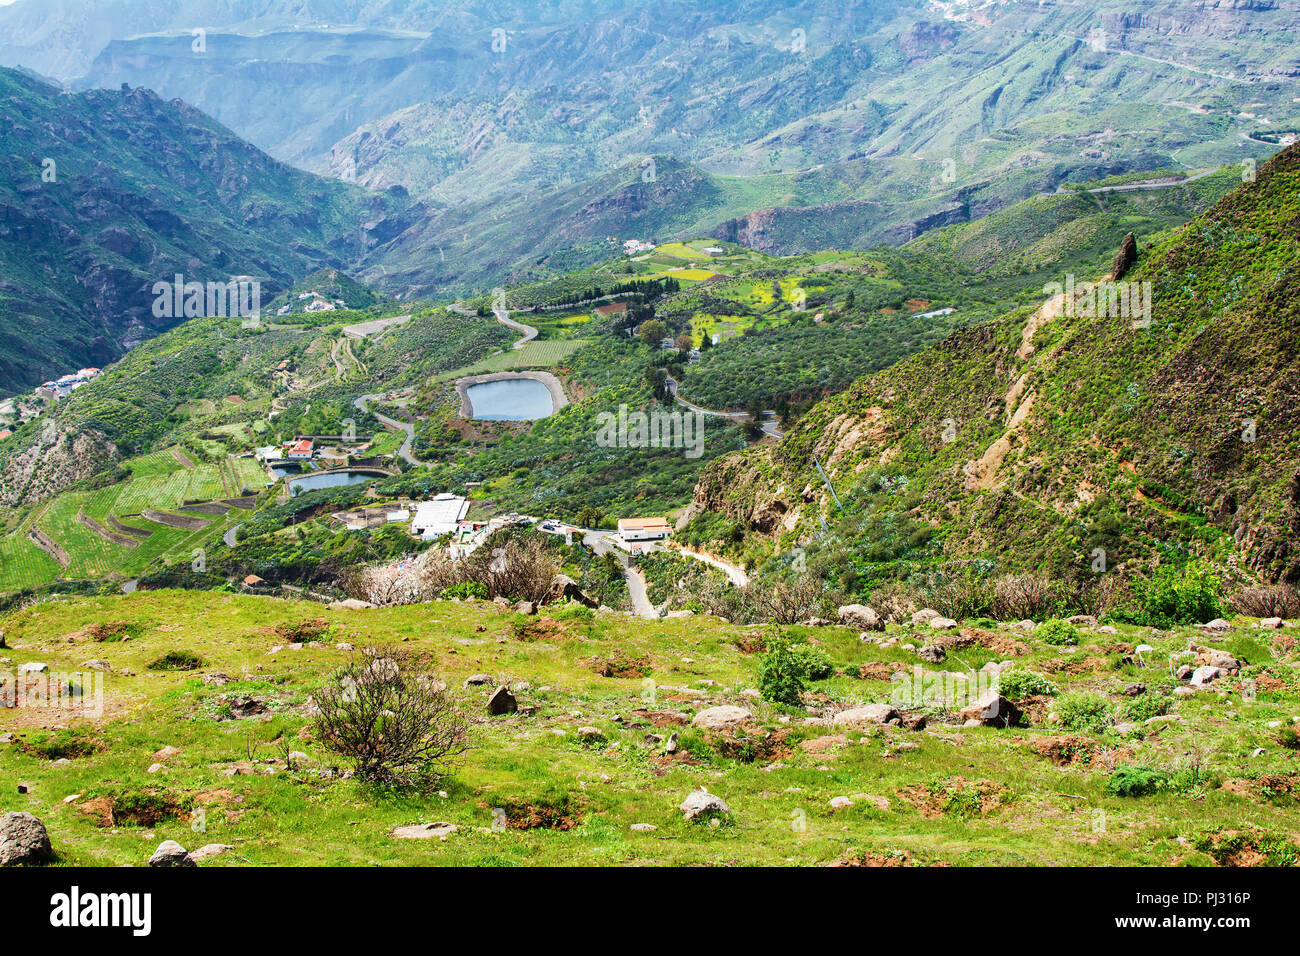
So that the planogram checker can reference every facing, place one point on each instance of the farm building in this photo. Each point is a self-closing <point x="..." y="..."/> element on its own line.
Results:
<point x="300" y="450"/>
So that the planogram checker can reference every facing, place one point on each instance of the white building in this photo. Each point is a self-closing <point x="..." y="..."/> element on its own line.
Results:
<point x="439" y="516"/>
<point x="643" y="529"/>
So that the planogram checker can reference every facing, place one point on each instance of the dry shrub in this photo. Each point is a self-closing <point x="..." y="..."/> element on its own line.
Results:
<point x="1017" y="597"/>
<point x="786" y="602"/>
<point x="894" y="602"/>
<point x="519" y="569"/>
<point x="392" y="719"/>
<point x="1268" y="600"/>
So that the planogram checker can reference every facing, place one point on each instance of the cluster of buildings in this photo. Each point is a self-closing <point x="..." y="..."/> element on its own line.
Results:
<point x="318" y="303"/>
<point x="632" y="247"/>
<point x="65" y="386"/>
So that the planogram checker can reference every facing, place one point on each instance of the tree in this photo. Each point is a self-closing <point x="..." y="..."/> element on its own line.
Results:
<point x="652" y="332"/>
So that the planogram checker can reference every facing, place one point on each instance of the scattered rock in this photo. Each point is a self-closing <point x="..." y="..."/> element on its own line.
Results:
<point x="242" y="708"/>
<point x="33" y="667"/>
<point x="925" y="616"/>
<point x="913" y="721"/>
<point x="991" y="710"/>
<point x="1205" y="675"/>
<point x="425" y="831"/>
<point x="171" y="853"/>
<point x="1135" y="690"/>
<point x="867" y="714"/>
<point x="671" y="746"/>
<point x="344" y="646"/>
<point x="643" y="828"/>
<point x="723" y="718"/>
<point x="932" y="653"/>
<point x="478" y="680"/>
<point x="502" y="702"/>
<point x="1273" y="623"/>
<point x="840" y="803"/>
<point x="564" y="588"/>
<point x="351" y="604"/>
<point x="98" y="665"/>
<point x="702" y="804"/>
<point x="1218" y="624"/>
<point x="526" y="607"/>
<point x="1082" y="620"/>
<point x="217" y="680"/>
<point x="155" y="768"/>
<point x="23" y="840"/>
<point x="942" y="623"/>
<point x="860" y="617"/>
<point x="590" y="733"/>
<point x="208" y="851"/>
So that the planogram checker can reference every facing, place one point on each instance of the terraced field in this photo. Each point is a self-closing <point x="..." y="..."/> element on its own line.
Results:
<point x="533" y="355"/>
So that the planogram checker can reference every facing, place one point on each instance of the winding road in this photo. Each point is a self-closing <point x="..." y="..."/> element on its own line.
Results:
<point x="405" y="451"/>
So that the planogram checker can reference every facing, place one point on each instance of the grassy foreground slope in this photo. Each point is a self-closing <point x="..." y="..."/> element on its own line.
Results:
<point x="945" y="794"/>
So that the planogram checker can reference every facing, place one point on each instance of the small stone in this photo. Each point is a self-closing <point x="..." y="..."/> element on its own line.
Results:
<point x="1134" y="690"/>
<point x="98" y="665"/>
<point x="868" y="714"/>
<point x="478" y="680"/>
<point x="860" y="618"/>
<point x="942" y="623"/>
<point x="840" y="803"/>
<point x="344" y="646"/>
<point x="925" y="616"/>
<point x="1273" y="623"/>
<point x="33" y="668"/>
<point x="671" y="746"/>
<point x="643" y="828"/>
<point x="155" y="768"/>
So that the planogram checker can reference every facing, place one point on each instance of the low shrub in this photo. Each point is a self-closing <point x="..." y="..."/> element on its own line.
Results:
<point x="1057" y="632"/>
<point x="466" y="590"/>
<point x="176" y="661"/>
<point x="1144" y="707"/>
<point x="1017" y="685"/>
<point x="1187" y="594"/>
<point x="1080" y="710"/>
<point x="1137" y="781"/>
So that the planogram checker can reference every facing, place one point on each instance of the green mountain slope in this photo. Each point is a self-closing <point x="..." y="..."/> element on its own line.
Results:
<point x="1036" y="441"/>
<point x="105" y="194"/>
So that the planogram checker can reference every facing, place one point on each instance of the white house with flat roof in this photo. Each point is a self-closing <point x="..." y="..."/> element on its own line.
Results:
<point x="439" y="516"/>
<point x="643" y="529"/>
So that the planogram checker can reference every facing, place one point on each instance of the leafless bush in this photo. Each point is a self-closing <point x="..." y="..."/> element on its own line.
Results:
<point x="786" y="602"/>
<point x="393" y="720"/>
<point x="894" y="602"/>
<point x="1017" y="597"/>
<point x="518" y="569"/>
<point x="960" y="598"/>
<point x="1103" y="594"/>
<point x="1268" y="600"/>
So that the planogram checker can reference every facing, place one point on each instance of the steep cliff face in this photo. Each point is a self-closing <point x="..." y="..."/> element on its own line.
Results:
<point x="1044" y="438"/>
<point x="57" y="458"/>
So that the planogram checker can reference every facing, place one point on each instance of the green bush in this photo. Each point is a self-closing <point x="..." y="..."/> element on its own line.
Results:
<point x="176" y="661"/>
<point x="781" y="675"/>
<point x="1080" y="710"/>
<point x="1191" y="594"/>
<point x="1144" y="707"/>
<point x="1018" y="684"/>
<point x="812" y="663"/>
<point x="1057" y="632"/>
<point x="1137" y="781"/>
<point x="466" y="589"/>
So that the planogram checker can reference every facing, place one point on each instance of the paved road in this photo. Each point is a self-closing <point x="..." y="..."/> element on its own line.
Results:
<point x="405" y="451"/>
<point x="601" y="543"/>
<point x="736" y="418"/>
<point x="529" y="333"/>
<point x="229" y="536"/>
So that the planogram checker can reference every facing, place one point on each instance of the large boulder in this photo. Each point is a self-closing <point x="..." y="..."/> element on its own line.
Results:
<point x="723" y="718"/>
<point x="942" y="623"/>
<point x="563" y="588"/>
<point x="861" y="617"/>
<point x="867" y="714"/>
<point x="703" y="805"/>
<point x="171" y="853"/>
<point x="992" y="710"/>
<point x="23" y="840"/>
<point x="925" y="616"/>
